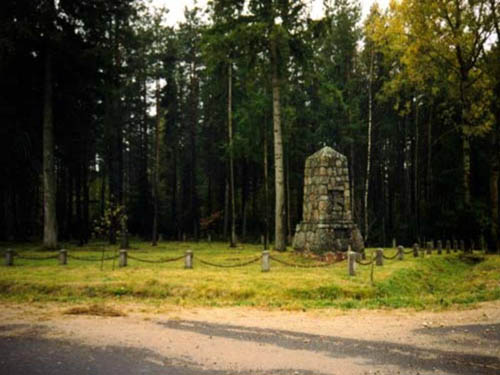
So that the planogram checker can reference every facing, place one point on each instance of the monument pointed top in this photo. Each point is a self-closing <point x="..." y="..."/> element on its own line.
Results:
<point x="328" y="152"/>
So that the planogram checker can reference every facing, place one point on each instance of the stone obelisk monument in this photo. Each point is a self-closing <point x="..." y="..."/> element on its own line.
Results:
<point x="327" y="219"/>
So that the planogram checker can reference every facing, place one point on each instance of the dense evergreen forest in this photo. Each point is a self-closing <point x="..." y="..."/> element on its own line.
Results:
<point x="113" y="123"/>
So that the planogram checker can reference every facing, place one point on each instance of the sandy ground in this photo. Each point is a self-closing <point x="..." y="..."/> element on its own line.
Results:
<point x="248" y="341"/>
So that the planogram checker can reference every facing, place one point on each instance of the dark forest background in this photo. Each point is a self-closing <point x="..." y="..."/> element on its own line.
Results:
<point x="141" y="116"/>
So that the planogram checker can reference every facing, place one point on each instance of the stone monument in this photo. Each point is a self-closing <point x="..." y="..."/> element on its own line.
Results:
<point x="326" y="218"/>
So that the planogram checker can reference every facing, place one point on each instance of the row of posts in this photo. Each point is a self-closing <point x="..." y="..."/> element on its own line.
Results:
<point x="454" y="245"/>
<point x="352" y="256"/>
<point x="188" y="259"/>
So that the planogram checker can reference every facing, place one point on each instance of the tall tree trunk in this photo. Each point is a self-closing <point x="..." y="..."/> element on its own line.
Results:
<point x="416" y="207"/>
<point x="429" y="158"/>
<point x="49" y="178"/>
<point x="495" y="163"/>
<point x="369" y="147"/>
<point x="466" y="150"/>
<point x="195" y="212"/>
<point x="78" y="201"/>
<point x="266" y="191"/>
<point x="86" y="231"/>
<point x="144" y="188"/>
<point x="244" y="199"/>
<point x="226" y="209"/>
<point x="175" y="219"/>
<point x="156" y="172"/>
<point x="288" y="204"/>
<point x="232" y="240"/>
<point x="494" y="178"/>
<point x="279" y="236"/>
<point x="352" y="199"/>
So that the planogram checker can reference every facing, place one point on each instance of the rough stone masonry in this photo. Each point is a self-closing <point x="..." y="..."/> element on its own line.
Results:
<point x="327" y="219"/>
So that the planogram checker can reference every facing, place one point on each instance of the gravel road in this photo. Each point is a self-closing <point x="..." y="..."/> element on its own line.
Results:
<point x="238" y="341"/>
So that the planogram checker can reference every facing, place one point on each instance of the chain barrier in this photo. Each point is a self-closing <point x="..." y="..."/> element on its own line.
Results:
<point x="92" y="259"/>
<point x="254" y="260"/>
<point x="163" y="260"/>
<point x="305" y="265"/>
<point x="36" y="258"/>
<point x="361" y="263"/>
<point x="408" y="252"/>
<point x="390" y="257"/>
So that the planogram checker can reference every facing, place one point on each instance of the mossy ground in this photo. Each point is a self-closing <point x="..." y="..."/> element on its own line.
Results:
<point x="433" y="282"/>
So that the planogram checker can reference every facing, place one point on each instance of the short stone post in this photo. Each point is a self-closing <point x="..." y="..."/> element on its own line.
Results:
<point x="262" y="239"/>
<point x="265" y="261"/>
<point x="160" y="237"/>
<point x="351" y="263"/>
<point x="440" y="247"/>
<point x="379" y="257"/>
<point x="122" y="261"/>
<point x="472" y="246"/>
<point x="429" y="248"/>
<point x="415" y="250"/>
<point x="455" y="246"/>
<point x="401" y="252"/>
<point x="188" y="260"/>
<point x="63" y="257"/>
<point x="184" y="237"/>
<point x="394" y="244"/>
<point x="9" y="257"/>
<point x="209" y="237"/>
<point x="462" y="245"/>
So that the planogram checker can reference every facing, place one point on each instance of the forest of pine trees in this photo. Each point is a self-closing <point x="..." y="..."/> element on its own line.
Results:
<point x="114" y="124"/>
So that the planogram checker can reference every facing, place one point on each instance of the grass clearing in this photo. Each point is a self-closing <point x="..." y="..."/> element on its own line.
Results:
<point x="435" y="282"/>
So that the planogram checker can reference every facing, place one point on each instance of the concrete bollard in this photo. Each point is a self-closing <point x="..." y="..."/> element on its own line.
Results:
<point x="188" y="260"/>
<point x="9" y="258"/>
<point x="351" y="263"/>
<point x="440" y="247"/>
<point x="415" y="250"/>
<point x="209" y="238"/>
<point x="401" y="252"/>
<point x="63" y="257"/>
<point x="472" y="246"/>
<point x="483" y="243"/>
<point x="429" y="248"/>
<point x="448" y="245"/>
<point x="265" y="261"/>
<point x="462" y="245"/>
<point x="455" y="246"/>
<point x="379" y="257"/>
<point x="184" y="237"/>
<point x="122" y="261"/>
<point x="394" y="243"/>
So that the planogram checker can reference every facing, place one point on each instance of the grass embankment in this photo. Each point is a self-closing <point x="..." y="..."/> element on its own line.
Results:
<point x="436" y="281"/>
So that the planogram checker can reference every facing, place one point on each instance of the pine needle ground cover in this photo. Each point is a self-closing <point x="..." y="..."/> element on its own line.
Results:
<point x="434" y="282"/>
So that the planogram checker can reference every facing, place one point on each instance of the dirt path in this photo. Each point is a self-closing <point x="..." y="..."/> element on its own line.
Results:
<point x="43" y="340"/>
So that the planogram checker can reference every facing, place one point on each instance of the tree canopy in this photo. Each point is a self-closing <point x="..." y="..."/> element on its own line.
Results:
<point x="114" y="123"/>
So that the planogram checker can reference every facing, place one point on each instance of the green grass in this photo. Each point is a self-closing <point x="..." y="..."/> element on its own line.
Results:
<point x="432" y="282"/>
